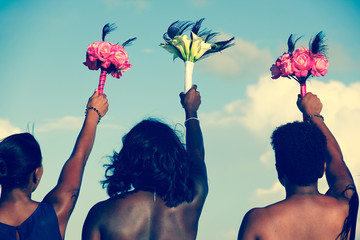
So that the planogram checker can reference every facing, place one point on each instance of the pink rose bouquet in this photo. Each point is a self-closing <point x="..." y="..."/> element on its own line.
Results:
<point x="109" y="57"/>
<point x="302" y="63"/>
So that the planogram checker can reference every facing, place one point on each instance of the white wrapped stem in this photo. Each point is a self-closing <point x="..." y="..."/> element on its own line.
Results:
<point x="189" y="67"/>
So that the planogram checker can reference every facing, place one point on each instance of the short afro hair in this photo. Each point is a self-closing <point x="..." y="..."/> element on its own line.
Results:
<point x="300" y="152"/>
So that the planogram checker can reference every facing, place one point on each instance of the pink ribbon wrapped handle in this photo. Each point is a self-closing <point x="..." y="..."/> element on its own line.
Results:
<point x="302" y="94"/>
<point x="102" y="80"/>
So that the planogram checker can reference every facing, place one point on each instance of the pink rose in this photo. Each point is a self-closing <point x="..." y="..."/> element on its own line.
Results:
<point x="92" y="65"/>
<point x="285" y="66"/>
<point x="320" y="65"/>
<point x="116" y="47"/>
<point x="106" y="64"/>
<point x="126" y="66"/>
<point x="91" y="51"/>
<point x="104" y="51"/>
<point x="120" y="58"/>
<point x="302" y="62"/>
<point x="275" y="71"/>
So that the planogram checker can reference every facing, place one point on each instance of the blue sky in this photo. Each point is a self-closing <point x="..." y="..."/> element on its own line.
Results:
<point x="43" y="83"/>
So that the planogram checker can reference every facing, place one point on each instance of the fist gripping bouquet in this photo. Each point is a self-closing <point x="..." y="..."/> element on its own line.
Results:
<point x="302" y="63"/>
<point x="198" y="46"/>
<point x="109" y="57"/>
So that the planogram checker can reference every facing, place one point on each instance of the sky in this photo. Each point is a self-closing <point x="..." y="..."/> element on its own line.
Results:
<point x="45" y="88"/>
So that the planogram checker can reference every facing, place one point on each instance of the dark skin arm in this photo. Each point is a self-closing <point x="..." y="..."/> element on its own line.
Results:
<point x="337" y="174"/>
<point x="341" y="183"/>
<point x="63" y="197"/>
<point x="194" y="140"/>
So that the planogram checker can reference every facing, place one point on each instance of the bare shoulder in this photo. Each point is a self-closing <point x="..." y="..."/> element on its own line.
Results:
<point x="94" y="216"/>
<point x="103" y="213"/>
<point x="254" y="223"/>
<point x="93" y="221"/>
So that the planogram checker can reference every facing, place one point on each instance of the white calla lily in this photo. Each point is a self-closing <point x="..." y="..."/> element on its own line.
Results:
<point x="171" y="49"/>
<point x="198" y="48"/>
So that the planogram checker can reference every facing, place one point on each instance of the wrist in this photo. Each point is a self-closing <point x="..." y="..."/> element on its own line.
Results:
<point x="93" y="112"/>
<point x="315" y="116"/>
<point x="191" y="119"/>
<point x="189" y="114"/>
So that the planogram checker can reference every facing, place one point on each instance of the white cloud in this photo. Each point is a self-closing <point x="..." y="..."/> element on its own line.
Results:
<point x="6" y="128"/>
<point x="268" y="157"/>
<point x="263" y="197"/>
<point x="71" y="123"/>
<point x="229" y="234"/>
<point x="244" y="60"/>
<point x="65" y="123"/>
<point x="267" y="104"/>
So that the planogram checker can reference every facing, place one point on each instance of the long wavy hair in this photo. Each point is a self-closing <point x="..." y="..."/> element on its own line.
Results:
<point x="152" y="159"/>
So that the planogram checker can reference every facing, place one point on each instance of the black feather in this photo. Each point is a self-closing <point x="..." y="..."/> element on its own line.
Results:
<point x="128" y="42"/>
<point x="204" y="33"/>
<point x="197" y="26"/>
<point x="177" y="28"/>
<point x="210" y="36"/>
<point x="292" y="43"/>
<point x="218" y="47"/>
<point x="107" y="29"/>
<point x="317" y="44"/>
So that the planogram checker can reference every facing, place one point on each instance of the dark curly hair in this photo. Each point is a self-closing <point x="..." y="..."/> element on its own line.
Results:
<point x="20" y="155"/>
<point x="300" y="152"/>
<point x="152" y="159"/>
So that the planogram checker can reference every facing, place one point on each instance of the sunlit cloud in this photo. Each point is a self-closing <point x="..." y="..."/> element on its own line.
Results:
<point x="6" y="128"/>
<point x="243" y="60"/>
<point x="229" y="234"/>
<point x="267" y="158"/>
<point x="65" y="123"/>
<point x="264" y="197"/>
<point x="72" y="124"/>
<point x="266" y="105"/>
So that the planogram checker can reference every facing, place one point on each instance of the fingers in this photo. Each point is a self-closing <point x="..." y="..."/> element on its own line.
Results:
<point x="310" y="104"/>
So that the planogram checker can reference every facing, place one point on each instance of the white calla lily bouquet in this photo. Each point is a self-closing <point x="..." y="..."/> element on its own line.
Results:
<point x="200" y="45"/>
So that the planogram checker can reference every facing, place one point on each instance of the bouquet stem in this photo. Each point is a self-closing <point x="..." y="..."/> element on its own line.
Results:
<point x="302" y="94"/>
<point x="189" y="67"/>
<point x="102" y="80"/>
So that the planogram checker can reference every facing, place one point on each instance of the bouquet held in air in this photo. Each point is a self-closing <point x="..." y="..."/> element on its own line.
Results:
<point x="199" y="45"/>
<point x="109" y="57"/>
<point x="302" y="63"/>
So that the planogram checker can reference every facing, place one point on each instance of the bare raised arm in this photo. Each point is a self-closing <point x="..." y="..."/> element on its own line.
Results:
<point x="337" y="174"/>
<point x="194" y="140"/>
<point x="63" y="197"/>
